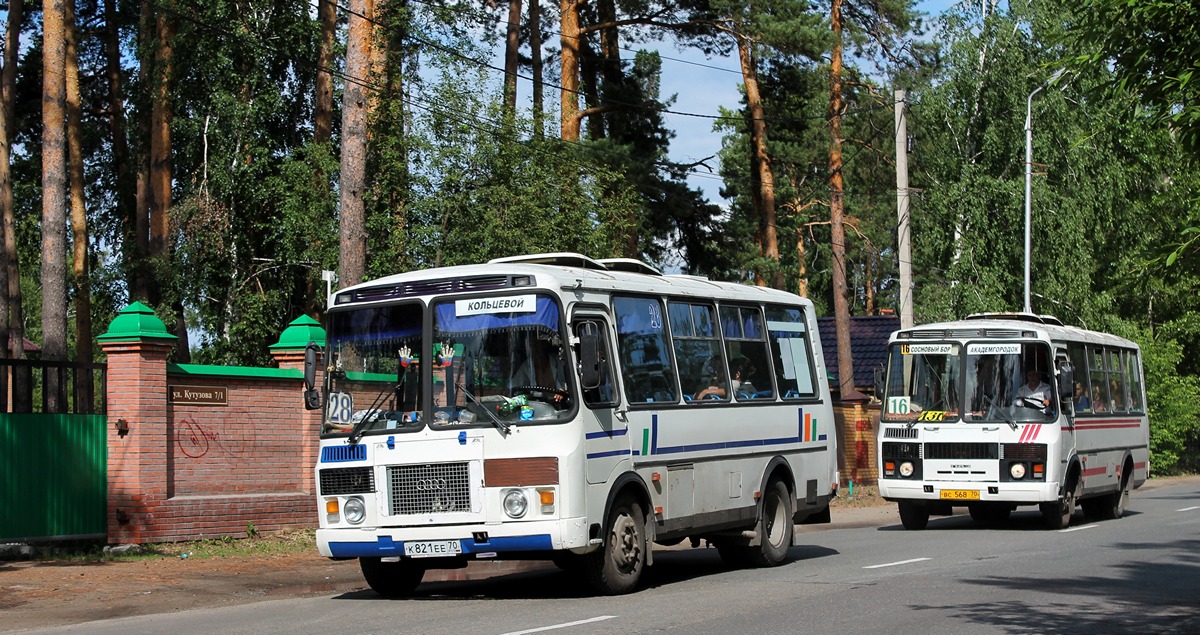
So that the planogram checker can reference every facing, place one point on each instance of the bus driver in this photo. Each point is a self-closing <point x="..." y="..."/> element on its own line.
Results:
<point x="1034" y="391"/>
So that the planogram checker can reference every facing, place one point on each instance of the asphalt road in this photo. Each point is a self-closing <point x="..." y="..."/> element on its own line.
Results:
<point x="1137" y="574"/>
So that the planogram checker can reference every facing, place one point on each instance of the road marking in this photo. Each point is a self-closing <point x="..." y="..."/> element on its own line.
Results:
<point x="600" y="618"/>
<point x="1070" y="529"/>
<point x="893" y="564"/>
<point x="1188" y="509"/>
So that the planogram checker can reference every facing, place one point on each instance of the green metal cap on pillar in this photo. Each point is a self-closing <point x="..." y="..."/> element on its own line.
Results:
<point x="136" y="322"/>
<point x="298" y="334"/>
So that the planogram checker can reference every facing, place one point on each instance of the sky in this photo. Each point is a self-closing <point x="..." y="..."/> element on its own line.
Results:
<point x="700" y="89"/>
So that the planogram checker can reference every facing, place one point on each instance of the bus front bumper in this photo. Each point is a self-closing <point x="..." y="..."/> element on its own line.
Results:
<point x="468" y="540"/>
<point x="964" y="493"/>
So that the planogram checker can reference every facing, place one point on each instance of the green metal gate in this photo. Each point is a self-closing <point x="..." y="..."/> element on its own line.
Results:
<point x="53" y="476"/>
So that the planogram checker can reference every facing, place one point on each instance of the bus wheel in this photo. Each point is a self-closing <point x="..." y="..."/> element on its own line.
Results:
<point x="1057" y="514"/>
<point x="616" y="567"/>
<point x="776" y="527"/>
<point x="391" y="579"/>
<point x="913" y="515"/>
<point x="1112" y="506"/>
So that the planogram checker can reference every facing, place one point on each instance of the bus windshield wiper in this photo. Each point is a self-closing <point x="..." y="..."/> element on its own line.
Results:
<point x="500" y="425"/>
<point x="370" y="413"/>
<point x="992" y="404"/>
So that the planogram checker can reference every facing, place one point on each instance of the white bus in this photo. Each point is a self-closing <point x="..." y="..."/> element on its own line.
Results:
<point x="1008" y="409"/>
<point x="558" y="407"/>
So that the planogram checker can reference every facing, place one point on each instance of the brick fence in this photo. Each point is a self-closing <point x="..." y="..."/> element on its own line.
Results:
<point x="205" y="451"/>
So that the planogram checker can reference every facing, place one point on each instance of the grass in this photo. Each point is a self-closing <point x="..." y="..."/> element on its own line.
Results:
<point x="280" y="543"/>
<point x="864" y="496"/>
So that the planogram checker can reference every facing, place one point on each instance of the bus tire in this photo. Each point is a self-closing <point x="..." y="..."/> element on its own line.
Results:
<point x="775" y="528"/>
<point x="913" y="516"/>
<point x="391" y="579"/>
<point x="616" y="567"/>
<point x="1057" y="514"/>
<point x="1112" y="506"/>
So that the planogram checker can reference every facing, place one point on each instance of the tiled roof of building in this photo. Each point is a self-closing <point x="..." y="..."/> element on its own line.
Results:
<point x="868" y="347"/>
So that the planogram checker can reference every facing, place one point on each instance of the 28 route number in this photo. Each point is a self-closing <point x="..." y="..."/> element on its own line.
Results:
<point x="341" y="407"/>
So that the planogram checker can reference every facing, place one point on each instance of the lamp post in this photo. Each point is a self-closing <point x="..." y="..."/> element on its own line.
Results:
<point x="1029" y="178"/>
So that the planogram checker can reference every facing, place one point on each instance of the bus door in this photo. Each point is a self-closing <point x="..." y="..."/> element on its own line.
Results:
<point x="1066" y="414"/>
<point x="606" y="435"/>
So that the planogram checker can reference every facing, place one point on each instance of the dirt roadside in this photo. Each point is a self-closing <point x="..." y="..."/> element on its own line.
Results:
<point x="41" y="594"/>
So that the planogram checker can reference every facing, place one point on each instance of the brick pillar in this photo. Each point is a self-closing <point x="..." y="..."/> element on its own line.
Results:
<point x="288" y="353"/>
<point x="137" y="345"/>
<point x="857" y="422"/>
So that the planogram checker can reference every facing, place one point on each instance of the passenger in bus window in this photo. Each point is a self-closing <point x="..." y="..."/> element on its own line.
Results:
<point x="743" y="370"/>
<point x="714" y="380"/>
<point x="1034" y="391"/>
<point x="1082" y="402"/>
<point x="1098" y="399"/>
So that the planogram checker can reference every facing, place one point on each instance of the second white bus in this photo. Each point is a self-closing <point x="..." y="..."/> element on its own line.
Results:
<point x="1002" y="410"/>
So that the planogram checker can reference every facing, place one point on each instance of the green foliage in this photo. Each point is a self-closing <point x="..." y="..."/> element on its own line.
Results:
<point x="1173" y="402"/>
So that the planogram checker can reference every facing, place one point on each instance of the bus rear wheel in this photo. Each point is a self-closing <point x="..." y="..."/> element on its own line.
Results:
<point x="391" y="579"/>
<point x="913" y="515"/>
<point x="1112" y="506"/>
<point x="617" y="566"/>
<point x="775" y="529"/>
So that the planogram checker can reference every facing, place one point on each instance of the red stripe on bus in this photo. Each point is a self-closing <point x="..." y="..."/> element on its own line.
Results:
<point x="1139" y="466"/>
<point x="1113" y="426"/>
<point x="1083" y="422"/>
<point x="1094" y="471"/>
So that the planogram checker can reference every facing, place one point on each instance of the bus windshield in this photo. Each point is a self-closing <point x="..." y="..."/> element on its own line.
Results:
<point x="922" y="383"/>
<point x="494" y="361"/>
<point x="1009" y="382"/>
<point x="1001" y="382"/>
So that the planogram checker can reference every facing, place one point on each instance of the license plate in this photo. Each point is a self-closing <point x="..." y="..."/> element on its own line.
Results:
<point x="960" y="494"/>
<point x="432" y="548"/>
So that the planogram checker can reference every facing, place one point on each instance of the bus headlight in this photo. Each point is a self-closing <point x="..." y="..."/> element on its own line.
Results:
<point x="355" y="510"/>
<point x="515" y="503"/>
<point x="1017" y="470"/>
<point x="906" y="469"/>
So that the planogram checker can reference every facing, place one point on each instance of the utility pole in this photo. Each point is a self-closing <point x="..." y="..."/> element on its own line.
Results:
<point x="903" y="239"/>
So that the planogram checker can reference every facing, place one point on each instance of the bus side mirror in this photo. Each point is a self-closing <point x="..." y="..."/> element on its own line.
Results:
<point x="1066" y="382"/>
<point x="312" y="396"/>
<point x="591" y="361"/>
<point x="879" y="381"/>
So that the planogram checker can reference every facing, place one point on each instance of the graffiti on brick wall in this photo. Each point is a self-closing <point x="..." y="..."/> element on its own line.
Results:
<point x="196" y="440"/>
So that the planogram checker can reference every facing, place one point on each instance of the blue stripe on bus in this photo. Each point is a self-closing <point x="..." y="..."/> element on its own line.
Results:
<point x="606" y="434"/>
<point x="601" y="455"/>
<point x="385" y="546"/>
<point x="726" y="445"/>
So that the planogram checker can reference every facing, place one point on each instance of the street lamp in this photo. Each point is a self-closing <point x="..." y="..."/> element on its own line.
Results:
<point x="1029" y="177"/>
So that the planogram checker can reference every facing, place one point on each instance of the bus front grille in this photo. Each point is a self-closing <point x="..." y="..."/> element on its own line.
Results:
<point x="437" y="488"/>
<point x="961" y="451"/>
<point x="347" y="480"/>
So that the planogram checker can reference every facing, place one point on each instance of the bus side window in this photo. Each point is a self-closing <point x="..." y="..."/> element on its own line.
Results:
<point x="1080" y="395"/>
<point x="746" y="350"/>
<point x="703" y="374"/>
<point x="1133" y="373"/>
<point x="644" y="356"/>
<point x="791" y="353"/>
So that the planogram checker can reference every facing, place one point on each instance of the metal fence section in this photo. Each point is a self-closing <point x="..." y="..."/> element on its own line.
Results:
<point x="38" y="386"/>
<point x="53" y="477"/>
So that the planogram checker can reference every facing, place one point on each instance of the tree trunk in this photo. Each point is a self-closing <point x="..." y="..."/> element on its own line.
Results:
<point x="161" y="114"/>
<point x="323" y="99"/>
<point x="589" y="84"/>
<point x="535" y="54"/>
<point x="802" y="260"/>
<point x="83" y="292"/>
<point x="118" y="128"/>
<point x="761" y="162"/>
<point x="841" y="311"/>
<point x="54" y="199"/>
<point x="512" y="47"/>
<point x="12" y="319"/>
<point x="352" y="221"/>
<point x="569" y="27"/>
